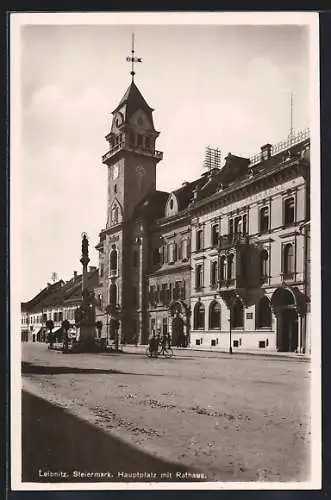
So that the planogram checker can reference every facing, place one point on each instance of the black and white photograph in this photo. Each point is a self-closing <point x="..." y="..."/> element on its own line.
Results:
<point x="165" y="251"/>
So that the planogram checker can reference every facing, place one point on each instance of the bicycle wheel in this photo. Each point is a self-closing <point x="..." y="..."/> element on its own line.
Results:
<point x="168" y="352"/>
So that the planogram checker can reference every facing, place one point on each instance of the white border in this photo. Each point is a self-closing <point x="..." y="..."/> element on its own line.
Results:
<point x="180" y="18"/>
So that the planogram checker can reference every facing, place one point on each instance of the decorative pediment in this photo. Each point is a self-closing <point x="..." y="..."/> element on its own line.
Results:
<point x="115" y="215"/>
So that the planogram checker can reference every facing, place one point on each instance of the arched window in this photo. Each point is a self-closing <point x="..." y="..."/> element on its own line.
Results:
<point x="114" y="214"/>
<point x="199" y="316"/>
<point x="215" y="315"/>
<point x="214" y="235"/>
<point x="223" y="268"/>
<point x="288" y="259"/>
<point x="264" y="264"/>
<point x="230" y="267"/>
<point x="113" y="294"/>
<point x="237" y="314"/>
<point x="113" y="259"/>
<point x="263" y="313"/>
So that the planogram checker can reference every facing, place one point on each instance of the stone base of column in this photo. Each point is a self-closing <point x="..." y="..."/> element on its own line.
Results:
<point x="86" y="342"/>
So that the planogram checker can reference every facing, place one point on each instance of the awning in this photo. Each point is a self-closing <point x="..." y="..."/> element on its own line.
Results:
<point x="36" y="330"/>
<point x="56" y="330"/>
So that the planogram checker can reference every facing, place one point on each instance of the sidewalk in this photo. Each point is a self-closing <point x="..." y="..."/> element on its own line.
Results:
<point x="192" y="351"/>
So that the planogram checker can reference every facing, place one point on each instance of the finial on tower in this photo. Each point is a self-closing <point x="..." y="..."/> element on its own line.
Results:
<point x="291" y="133"/>
<point x="133" y="59"/>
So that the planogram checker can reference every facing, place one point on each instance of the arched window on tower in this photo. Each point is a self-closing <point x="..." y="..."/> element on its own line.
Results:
<point x="113" y="295"/>
<point x="263" y="313"/>
<point x="114" y="214"/>
<point x="113" y="259"/>
<point x="237" y="314"/>
<point x="199" y="316"/>
<point x="215" y="315"/>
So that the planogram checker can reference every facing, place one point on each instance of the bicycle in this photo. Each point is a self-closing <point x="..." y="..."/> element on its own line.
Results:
<point x="166" y="352"/>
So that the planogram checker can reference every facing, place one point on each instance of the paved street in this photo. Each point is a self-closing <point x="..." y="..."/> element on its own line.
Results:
<point x="239" y="418"/>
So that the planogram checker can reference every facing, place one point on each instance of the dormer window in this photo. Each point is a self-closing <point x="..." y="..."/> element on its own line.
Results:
<point x="147" y="142"/>
<point x="139" y="140"/>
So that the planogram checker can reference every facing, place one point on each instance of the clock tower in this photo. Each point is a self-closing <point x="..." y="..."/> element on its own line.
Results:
<point x="131" y="162"/>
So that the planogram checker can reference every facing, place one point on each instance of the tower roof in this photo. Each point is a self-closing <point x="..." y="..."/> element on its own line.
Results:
<point x="133" y="100"/>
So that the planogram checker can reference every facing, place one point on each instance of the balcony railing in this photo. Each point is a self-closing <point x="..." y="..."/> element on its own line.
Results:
<point x="227" y="283"/>
<point x="232" y="240"/>
<point x="133" y="148"/>
<point x="282" y="145"/>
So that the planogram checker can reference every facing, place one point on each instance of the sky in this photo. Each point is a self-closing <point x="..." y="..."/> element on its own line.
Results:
<point x="223" y="86"/>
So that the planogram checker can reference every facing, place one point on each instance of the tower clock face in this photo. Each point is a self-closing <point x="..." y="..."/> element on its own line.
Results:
<point x="115" y="171"/>
<point x="140" y="170"/>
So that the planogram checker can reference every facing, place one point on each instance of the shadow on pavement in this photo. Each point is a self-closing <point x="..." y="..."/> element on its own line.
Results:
<point x="27" y="367"/>
<point x="53" y="440"/>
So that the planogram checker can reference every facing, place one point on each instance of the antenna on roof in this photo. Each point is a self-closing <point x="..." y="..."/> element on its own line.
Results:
<point x="212" y="158"/>
<point x="291" y="133"/>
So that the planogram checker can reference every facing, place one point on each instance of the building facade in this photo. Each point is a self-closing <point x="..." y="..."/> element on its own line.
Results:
<point x="221" y="262"/>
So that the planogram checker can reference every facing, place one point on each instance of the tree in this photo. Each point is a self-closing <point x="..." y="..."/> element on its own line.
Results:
<point x="50" y="326"/>
<point x="65" y="327"/>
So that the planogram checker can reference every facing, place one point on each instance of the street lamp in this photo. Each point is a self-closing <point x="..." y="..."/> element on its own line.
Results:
<point x="230" y="331"/>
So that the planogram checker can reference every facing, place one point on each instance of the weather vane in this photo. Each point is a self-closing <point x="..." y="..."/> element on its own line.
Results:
<point x="133" y="59"/>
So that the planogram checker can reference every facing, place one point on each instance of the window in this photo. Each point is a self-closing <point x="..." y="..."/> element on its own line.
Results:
<point x="223" y="268"/>
<point x="177" y="290"/>
<point x="115" y="188"/>
<point x="171" y="204"/>
<point x="263" y="313"/>
<point x="147" y="142"/>
<point x="288" y="256"/>
<point x="172" y="253"/>
<point x="113" y="294"/>
<point x="199" y="240"/>
<point x="238" y="225"/>
<point x="230" y="226"/>
<point x="264" y="264"/>
<point x="245" y="230"/>
<point x="215" y="315"/>
<point x="264" y="219"/>
<point x="114" y="214"/>
<point x="184" y="249"/>
<point x="60" y="316"/>
<point x="289" y="209"/>
<point x="214" y="235"/>
<point x="198" y="277"/>
<point x="237" y="314"/>
<point x="151" y="295"/>
<point x="55" y="317"/>
<point x="230" y="267"/>
<point x="135" y="258"/>
<point x="213" y="273"/>
<point x="164" y="294"/>
<point x="139" y="140"/>
<point x="199" y="316"/>
<point x="113" y="259"/>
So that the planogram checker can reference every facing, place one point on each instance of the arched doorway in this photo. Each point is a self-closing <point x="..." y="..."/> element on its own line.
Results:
<point x="179" y="324"/>
<point x="284" y="304"/>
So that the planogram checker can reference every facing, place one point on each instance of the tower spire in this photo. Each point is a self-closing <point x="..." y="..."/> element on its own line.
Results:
<point x="133" y="59"/>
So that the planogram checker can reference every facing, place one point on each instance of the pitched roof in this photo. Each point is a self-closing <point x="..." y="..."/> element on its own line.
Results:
<point x="132" y="101"/>
<point x="61" y="293"/>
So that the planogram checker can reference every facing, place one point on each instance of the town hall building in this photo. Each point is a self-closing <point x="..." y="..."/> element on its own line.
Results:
<point x="222" y="262"/>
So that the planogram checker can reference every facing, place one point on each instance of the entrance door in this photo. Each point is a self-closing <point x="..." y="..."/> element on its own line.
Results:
<point x="178" y="338"/>
<point x="288" y="330"/>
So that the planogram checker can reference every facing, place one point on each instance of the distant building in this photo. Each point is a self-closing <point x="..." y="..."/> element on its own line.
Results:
<point x="57" y="302"/>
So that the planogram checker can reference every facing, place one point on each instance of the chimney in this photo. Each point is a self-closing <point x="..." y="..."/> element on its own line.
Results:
<point x="266" y="152"/>
<point x="75" y="275"/>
